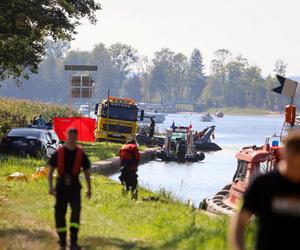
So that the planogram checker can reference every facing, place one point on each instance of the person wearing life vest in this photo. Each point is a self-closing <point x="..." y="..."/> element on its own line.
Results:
<point x="68" y="160"/>
<point x="129" y="158"/>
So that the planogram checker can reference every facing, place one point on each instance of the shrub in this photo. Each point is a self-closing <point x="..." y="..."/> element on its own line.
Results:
<point x="18" y="113"/>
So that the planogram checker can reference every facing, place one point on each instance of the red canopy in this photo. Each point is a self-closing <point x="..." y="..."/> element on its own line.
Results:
<point x="85" y="126"/>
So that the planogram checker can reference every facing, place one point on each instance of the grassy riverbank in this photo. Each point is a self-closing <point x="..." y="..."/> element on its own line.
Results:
<point x="98" y="151"/>
<point x="109" y="221"/>
<point x="244" y="111"/>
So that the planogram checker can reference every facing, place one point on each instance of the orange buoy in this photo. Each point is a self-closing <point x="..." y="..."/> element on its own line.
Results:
<point x="290" y="114"/>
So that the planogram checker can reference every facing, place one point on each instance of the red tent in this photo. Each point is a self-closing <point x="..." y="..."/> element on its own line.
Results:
<point x="85" y="126"/>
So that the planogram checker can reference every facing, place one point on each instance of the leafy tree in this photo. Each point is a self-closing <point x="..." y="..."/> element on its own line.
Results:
<point x="254" y="89"/>
<point x="132" y="88"/>
<point x="143" y="67"/>
<point x="169" y="78"/>
<point x="106" y="78"/>
<point x="179" y="76"/>
<point x="158" y="82"/>
<point x="25" y="26"/>
<point x="221" y="58"/>
<point x="218" y="66"/>
<point x="123" y="57"/>
<point x="280" y="67"/>
<point x="197" y="79"/>
<point x="161" y="75"/>
<point x="233" y="90"/>
<point x="212" y="94"/>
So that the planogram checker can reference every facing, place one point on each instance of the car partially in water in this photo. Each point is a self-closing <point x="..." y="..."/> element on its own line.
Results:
<point x="30" y="141"/>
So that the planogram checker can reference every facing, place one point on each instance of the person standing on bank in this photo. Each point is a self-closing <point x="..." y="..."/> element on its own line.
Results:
<point x="151" y="128"/>
<point x="129" y="159"/>
<point x="68" y="160"/>
<point x="274" y="199"/>
<point x="41" y="121"/>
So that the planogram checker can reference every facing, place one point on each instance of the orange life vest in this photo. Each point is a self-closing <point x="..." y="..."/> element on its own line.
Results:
<point x="61" y="161"/>
<point x="129" y="156"/>
<point x="127" y="152"/>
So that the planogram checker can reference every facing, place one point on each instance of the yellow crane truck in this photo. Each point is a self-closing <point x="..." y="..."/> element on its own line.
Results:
<point x="117" y="119"/>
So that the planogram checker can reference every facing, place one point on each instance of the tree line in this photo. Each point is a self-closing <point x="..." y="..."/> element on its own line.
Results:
<point x="167" y="78"/>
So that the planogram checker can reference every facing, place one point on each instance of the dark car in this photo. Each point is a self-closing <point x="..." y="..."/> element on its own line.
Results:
<point x="30" y="141"/>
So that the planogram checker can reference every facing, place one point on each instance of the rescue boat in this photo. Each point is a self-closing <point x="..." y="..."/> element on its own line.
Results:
<point x="201" y="143"/>
<point x="251" y="161"/>
<point x="179" y="146"/>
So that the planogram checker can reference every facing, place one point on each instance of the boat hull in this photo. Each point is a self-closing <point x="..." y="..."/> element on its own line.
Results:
<point x="196" y="157"/>
<point x="159" y="141"/>
<point x="206" y="119"/>
<point x="219" y="204"/>
<point x="207" y="146"/>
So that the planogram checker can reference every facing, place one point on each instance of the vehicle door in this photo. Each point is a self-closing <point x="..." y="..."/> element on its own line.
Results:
<point x="51" y="147"/>
<point x="53" y="136"/>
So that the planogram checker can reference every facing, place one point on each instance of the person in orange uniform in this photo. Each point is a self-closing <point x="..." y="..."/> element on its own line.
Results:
<point x="68" y="159"/>
<point x="129" y="158"/>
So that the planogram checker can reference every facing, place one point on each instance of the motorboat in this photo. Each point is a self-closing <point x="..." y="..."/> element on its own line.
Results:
<point x="179" y="146"/>
<point x="157" y="117"/>
<point x="251" y="162"/>
<point x="206" y="117"/>
<point x="202" y="140"/>
<point x="219" y="114"/>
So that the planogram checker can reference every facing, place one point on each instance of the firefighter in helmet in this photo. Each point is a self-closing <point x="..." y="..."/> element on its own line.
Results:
<point x="68" y="159"/>
<point x="129" y="158"/>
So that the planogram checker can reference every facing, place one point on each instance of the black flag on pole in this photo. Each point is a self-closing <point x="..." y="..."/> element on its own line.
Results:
<point x="287" y="87"/>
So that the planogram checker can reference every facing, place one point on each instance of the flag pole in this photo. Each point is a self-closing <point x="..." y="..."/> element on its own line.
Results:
<point x="293" y="97"/>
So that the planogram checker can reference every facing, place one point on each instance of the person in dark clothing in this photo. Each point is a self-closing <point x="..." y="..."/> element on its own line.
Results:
<point x="129" y="158"/>
<point x="68" y="159"/>
<point x="41" y="121"/>
<point x="49" y="124"/>
<point x="34" y="121"/>
<point x="274" y="199"/>
<point x="151" y="128"/>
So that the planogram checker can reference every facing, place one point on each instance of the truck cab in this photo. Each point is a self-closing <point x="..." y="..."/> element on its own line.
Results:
<point x="117" y="119"/>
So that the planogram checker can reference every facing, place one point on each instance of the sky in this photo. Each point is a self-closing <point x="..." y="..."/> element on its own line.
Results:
<point x="261" y="30"/>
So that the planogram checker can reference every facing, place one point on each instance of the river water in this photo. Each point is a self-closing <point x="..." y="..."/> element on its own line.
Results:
<point x="203" y="179"/>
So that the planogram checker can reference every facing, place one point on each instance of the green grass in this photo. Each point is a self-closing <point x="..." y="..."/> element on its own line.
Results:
<point x="243" y="111"/>
<point x="98" y="151"/>
<point x="109" y="220"/>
